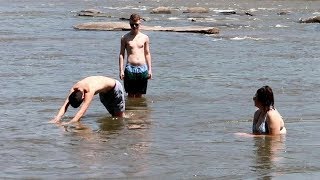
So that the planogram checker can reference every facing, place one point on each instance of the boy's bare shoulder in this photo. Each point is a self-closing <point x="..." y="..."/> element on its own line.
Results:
<point x="146" y="37"/>
<point x="125" y="36"/>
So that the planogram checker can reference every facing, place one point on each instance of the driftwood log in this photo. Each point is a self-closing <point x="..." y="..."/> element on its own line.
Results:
<point x="161" y="10"/>
<point x="92" y="13"/>
<point x="314" y="19"/>
<point x="122" y="26"/>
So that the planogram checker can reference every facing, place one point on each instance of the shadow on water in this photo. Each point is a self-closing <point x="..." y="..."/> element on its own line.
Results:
<point x="267" y="154"/>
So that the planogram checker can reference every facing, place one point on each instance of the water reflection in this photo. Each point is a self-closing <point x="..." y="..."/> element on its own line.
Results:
<point x="268" y="155"/>
<point x="138" y="123"/>
<point x="138" y="113"/>
<point x="76" y="131"/>
<point x="111" y="125"/>
<point x="122" y="141"/>
<point x="137" y="117"/>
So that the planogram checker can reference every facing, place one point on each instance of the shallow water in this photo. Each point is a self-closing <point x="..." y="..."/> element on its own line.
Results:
<point x="201" y="94"/>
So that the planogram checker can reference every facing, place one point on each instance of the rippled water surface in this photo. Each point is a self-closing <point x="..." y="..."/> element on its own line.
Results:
<point x="200" y="96"/>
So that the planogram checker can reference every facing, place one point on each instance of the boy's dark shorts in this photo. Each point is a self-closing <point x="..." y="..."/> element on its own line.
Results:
<point x="136" y="79"/>
<point x="114" y="99"/>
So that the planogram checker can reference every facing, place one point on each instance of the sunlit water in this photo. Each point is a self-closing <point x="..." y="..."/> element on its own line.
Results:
<point x="201" y="94"/>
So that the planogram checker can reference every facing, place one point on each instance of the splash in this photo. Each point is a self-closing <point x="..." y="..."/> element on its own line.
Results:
<point x="247" y="37"/>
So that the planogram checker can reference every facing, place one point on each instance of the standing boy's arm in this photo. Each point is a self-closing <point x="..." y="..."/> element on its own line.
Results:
<point x="148" y="57"/>
<point x="121" y="58"/>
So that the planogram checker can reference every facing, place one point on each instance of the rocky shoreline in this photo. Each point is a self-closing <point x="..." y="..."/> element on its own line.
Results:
<point x="124" y="26"/>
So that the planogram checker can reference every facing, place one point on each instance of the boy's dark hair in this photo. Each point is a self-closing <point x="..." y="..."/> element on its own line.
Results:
<point x="134" y="17"/>
<point x="75" y="98"/>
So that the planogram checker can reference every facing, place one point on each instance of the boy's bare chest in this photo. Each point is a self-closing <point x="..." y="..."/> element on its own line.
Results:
<point x="135" y="44"/>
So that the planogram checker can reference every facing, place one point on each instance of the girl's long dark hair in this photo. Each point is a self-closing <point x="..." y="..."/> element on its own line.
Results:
<point x="265" y="97"/>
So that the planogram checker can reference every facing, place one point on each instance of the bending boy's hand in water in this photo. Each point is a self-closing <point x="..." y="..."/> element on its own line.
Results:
<point x="65" y="123"/>
<point x="70" y="122"/>
<point x="55" y="120"/>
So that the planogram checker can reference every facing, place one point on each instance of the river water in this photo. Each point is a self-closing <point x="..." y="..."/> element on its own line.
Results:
<point x="199" y="98"/>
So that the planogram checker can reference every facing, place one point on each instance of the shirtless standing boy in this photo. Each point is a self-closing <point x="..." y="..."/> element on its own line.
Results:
<point x="138" y="66"/>
<point x="110" y="92"/>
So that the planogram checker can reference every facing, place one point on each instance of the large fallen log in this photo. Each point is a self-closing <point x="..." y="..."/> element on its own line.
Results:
<point x="93" y="13"/>
<point x="161" y="10"/>
<point x="314" y="19"/>
<point x="122" y="26"/>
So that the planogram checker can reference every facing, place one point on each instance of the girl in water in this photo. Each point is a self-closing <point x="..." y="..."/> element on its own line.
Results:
<point x="267" y="120"/>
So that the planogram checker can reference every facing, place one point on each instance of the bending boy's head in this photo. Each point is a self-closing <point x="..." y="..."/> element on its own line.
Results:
<point x="75" y="98"/>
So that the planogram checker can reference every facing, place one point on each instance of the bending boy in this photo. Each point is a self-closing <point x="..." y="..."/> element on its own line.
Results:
<point x="110" y="92"/>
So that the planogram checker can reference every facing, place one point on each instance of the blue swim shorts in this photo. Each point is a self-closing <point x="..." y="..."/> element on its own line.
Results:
<point x="136" y="79"/>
